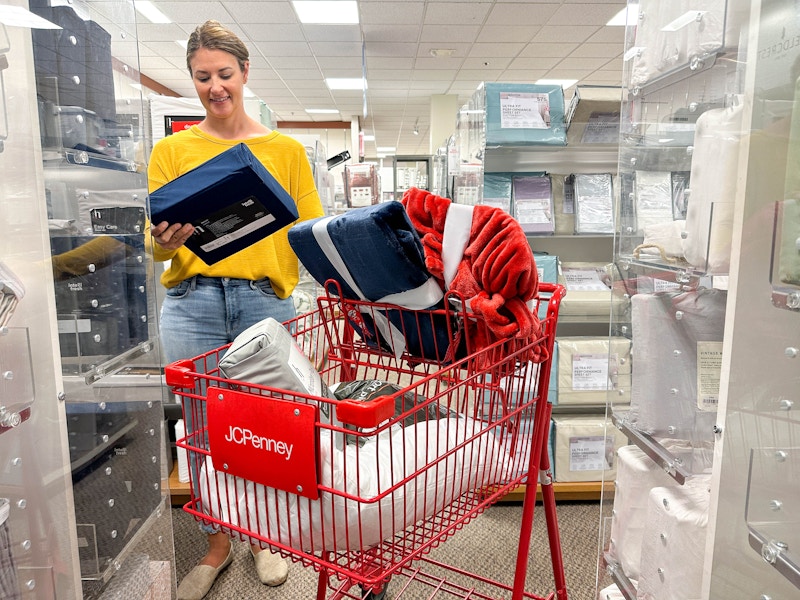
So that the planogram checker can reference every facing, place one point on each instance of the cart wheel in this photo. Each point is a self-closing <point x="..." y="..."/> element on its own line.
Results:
<point x="370" y="595"/>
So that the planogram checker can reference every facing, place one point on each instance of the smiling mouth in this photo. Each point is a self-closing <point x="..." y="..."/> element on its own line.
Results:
<point x="220" y="99"/>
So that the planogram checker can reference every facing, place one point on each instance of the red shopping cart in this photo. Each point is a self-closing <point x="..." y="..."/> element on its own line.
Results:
<point x="362" y="491"/>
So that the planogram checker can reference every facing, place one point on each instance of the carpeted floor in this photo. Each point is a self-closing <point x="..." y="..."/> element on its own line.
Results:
<point x="486" y="546"/>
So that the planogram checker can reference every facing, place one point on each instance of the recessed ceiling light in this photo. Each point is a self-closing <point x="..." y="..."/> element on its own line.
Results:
<point x="322" y="111"/>
<point x="149" y="11"/>
<point x="337" y="12"/>
<point x="346" y="83"/>
<point x="385" y="149"/>
<point x="442" y="52"/>
<point x="565" y="83"/>
<point x="627" y="16"/>
<point x="369" y="137"/>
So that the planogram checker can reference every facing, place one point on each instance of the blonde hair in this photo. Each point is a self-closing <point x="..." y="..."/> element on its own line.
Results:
<point x="214" y="36"/>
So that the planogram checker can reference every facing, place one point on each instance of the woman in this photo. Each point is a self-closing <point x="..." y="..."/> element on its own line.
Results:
<point x="207" y="306"/>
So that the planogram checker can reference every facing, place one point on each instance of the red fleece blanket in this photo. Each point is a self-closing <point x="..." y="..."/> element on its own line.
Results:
<point x="496" y="274"/>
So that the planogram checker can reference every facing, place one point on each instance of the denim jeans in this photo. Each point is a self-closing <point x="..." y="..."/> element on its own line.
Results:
<point x="204" y="313"/>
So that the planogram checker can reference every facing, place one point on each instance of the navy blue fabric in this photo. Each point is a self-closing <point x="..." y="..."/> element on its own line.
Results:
<point x="384" y="255"/>
<point x="232" y="177"/>
<point x="379" y="245"/>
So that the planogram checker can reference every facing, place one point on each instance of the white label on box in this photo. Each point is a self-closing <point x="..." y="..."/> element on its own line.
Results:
<point x="467" y="194"/>
<point x="360" y="196"/>
<point x="601" y="128"/>
<point x="524" y="111"/>
<point x="584" y="280"/>
<point x="709" y="366"/>
<point x="533" y="211"/>
<point x="660" y="285"/>
<point x="74" y="325"/>
<point x="590" y="372"/>
<point x="589" y="453"/>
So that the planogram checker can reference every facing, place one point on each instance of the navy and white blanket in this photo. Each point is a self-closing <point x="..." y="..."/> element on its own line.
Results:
<point x="375" y="254"/>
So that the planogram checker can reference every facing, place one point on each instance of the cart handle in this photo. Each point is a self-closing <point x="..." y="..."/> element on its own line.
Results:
<point x="366" y="414"/>
<point x="181" y="373"/>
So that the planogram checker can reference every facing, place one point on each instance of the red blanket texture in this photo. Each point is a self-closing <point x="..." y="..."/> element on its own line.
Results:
<point x="497" y="274"/>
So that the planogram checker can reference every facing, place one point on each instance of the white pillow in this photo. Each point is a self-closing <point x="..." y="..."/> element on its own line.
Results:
<point x="368" y="473"/>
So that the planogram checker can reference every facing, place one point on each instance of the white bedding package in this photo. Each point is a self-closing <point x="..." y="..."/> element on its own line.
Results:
<point x="591" y="367"/>
<point x="714" y="176"/>
<point x="637" y="474"/>
<point x="678" y="348"/>
<point x="366" y="472"/>
<point x="585" y="447"/>
<point x="589" y="294"/>
<point x="267" y="354"/>
<point x="674" y="542"/>
<point x="671" y="35"/>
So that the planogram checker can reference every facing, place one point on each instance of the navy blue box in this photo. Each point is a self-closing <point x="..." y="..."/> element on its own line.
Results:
<point x="232" y="201"/>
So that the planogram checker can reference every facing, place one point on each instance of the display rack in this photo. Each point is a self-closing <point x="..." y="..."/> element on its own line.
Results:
<point x="488" y="152"/>
<point x="705" y="492"/>
<point x="82" y="440"/>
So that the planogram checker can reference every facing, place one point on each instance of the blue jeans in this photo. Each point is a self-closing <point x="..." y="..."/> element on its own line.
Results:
<point x="201" y="314"/>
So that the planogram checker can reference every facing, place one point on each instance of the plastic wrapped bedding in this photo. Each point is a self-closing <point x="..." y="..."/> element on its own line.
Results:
<point x="333" y="522"/>
<point x="266" y="354"/>
<point x="594" y="196"/>
<point x="533" y="203"/>
<point x="665" y="42"/>
<point x="114" y="212"/>
<point x="673" y="545"/>
<point x="678" y="347"/>
<point x="653" y="198"/>
<point x="589" y="367"/>
<point x="637" y="474"/>
<point x="588" y="287"/>
<point x="585" y="447"/>
<point x="714" y="176"/>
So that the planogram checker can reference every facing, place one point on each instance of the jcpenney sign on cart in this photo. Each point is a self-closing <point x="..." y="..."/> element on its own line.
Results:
<point x="267" y="440"/>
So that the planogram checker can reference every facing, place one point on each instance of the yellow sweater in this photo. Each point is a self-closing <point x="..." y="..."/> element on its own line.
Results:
<point x="285" y="158"/>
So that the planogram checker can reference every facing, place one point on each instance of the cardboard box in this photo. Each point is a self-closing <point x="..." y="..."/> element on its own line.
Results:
<point x="232" y="200"/>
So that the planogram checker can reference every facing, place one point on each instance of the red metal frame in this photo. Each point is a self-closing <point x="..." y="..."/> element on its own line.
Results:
<point x="433" y="475"/>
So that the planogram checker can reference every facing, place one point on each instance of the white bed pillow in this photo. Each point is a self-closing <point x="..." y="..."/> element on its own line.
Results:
<point x="334" y="522"/>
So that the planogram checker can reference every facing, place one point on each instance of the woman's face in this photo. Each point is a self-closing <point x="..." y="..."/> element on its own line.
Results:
<point x="219" y="81"/>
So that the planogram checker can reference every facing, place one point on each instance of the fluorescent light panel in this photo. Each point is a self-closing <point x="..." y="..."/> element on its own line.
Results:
<point x="148" y="10"/>
<point x="322" y="111"/>
<point x="341" y="12"/>
<point x="346" y="83"/>
<point x="385" y="149"/>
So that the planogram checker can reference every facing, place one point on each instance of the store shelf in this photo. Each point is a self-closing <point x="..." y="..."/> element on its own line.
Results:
<point x="179" y="492"/>
<point x="579" y="491"/>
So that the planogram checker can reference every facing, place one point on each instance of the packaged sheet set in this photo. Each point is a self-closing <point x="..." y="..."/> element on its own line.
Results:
<point x="673" y="545"/>
<point x="591" y="367"/>
<point x="523" y="114"/>
<point x="584" y="448"/>
<point x="678" y="344"/>
<point x="232" y="201"/>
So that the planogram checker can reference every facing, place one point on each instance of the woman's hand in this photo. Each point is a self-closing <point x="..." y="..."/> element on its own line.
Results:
<point x="171" y="237"/>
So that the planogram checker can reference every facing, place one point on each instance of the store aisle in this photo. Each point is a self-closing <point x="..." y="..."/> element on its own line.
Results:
<point x="487" y="542"/>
